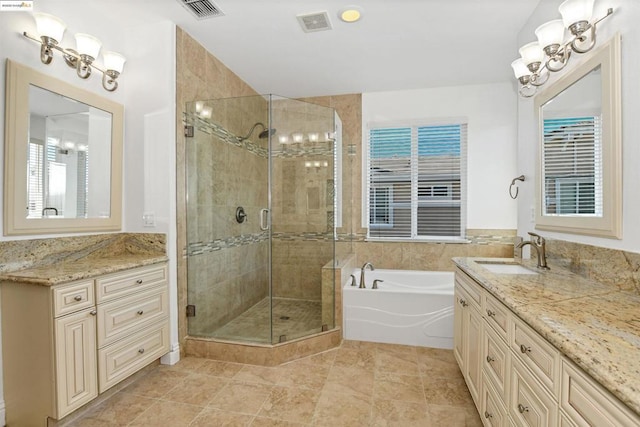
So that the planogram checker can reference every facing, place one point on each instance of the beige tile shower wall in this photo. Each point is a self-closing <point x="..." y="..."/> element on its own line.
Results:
<point x="200" y="76"/>
<point x="297" y="267"/>
<point x="225" y="284"/>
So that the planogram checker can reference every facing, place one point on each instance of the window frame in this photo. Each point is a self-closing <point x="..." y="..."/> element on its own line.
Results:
<point x="419" y="202"/>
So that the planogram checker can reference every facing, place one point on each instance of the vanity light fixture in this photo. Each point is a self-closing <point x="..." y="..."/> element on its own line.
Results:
<point x="553" y="49"/>
<point x="50" y="31"/>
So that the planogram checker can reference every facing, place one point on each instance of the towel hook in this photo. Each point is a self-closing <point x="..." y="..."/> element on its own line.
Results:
<point x="513" y="182"/>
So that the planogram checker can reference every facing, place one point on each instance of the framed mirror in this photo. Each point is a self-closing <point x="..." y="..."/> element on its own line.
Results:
<point x="63" y="156"/>
<point x="579" y="173"/>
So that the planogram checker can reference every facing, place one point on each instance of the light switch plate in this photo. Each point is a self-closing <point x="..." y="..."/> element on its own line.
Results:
<point x="149" y="219"/>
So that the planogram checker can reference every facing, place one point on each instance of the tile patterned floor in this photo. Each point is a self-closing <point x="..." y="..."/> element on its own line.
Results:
<point x="358" y="384"/>
<point x="293" y="318"/>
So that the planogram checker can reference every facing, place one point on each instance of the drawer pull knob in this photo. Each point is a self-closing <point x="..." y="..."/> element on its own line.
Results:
<point x="522" y="409"/>
<point x="78" y="298"/>
<point x="139" y="282"/>
<point x="93" y="312"/>
<point x="487" y="415"/>
<point x="524" y="349"/>
<point x="490" y="313"/>
<point x="140" y="312"/>
<point x="490" y="359"/>
<point x="463" y="303"/>
<point x="141" y="350"/>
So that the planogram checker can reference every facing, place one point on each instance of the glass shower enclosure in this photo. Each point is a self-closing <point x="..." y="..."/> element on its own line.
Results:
<point x="260" y="218"/>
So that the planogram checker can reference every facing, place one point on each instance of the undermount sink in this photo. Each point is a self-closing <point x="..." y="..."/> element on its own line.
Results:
<point x="506" y="268"/>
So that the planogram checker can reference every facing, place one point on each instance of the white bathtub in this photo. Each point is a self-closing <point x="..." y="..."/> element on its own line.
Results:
<point x="410" y="307"/>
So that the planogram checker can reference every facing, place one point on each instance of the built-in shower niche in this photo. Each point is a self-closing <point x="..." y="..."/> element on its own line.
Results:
<point x="260" y="280"/>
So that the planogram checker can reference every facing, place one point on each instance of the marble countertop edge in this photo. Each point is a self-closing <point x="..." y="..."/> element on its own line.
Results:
<point x="86" y="268"/>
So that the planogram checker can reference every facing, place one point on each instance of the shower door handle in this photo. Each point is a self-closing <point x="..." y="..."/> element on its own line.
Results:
<point x="265" y="219"/>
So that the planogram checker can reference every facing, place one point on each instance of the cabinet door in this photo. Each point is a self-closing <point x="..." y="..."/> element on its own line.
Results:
<point x="76" y="360"/>
<point x="459" y="339"/>
<point x="473" y="360"/>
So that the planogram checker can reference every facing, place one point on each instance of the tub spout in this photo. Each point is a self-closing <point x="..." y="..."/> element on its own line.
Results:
<point x="364" y="267"/>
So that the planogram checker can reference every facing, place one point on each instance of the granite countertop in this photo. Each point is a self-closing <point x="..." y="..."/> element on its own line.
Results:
<point x="84" y="268"/>
<point x="595" y="325"/>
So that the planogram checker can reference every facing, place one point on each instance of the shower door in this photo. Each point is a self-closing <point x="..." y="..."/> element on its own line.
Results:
<point x="260" y="228"/>
<point x="228" y="265"/>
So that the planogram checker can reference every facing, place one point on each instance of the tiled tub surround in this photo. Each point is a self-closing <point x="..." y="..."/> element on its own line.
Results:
<point x="594" y="324"/>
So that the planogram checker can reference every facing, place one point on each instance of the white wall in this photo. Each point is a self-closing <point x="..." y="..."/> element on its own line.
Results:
<point x="624" y="20"/>
<point x="147" y="90"/>
<point x="491" y="153"/>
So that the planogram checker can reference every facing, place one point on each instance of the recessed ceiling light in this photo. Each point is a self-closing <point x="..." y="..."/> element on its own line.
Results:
<point x="350" y="14"/>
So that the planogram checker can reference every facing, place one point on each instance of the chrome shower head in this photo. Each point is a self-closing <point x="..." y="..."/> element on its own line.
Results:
<point x="266" y="133"/>
<point x="262" y="135"/>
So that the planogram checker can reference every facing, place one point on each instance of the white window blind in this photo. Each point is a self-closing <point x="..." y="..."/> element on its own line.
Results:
<point x="416" y="181"/>
<point x="572" y="166"/>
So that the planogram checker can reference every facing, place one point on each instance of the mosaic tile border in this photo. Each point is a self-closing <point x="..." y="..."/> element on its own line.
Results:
<point x="290" y="151"/>
<point x="213" y="129"/>
<point x="199" y="248"/>
<point x="481" y="239"/>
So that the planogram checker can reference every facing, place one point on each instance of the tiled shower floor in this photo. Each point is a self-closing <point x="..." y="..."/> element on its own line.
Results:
<point x="292" y="318"/>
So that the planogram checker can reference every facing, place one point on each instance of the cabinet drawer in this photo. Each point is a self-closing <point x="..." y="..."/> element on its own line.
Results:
<point x="121" y="359"/>
<point x="126" y="315"/>
<point x="495" y="362"/>
<point x="589" y="404"/>
<point x="492" y="410"/>
<point x="497" y="316"/>
<point x="535" y="352"/>
<point x="72" y="297"/>
<point x="123" y="283"/>
<point x="471" y="288"/>
<point x="530" y="404"/>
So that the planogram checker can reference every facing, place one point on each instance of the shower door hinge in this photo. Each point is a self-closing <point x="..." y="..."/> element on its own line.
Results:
<point x="191" y="310"/>
<point x="188" y="131"/>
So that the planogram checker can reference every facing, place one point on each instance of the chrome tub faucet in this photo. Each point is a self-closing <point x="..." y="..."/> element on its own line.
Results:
<point x="364" y="267"/>
<point x="537" y="242"/>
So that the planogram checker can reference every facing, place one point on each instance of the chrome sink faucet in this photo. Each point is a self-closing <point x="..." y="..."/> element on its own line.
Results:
<point x="364" y="267"/>
<point x="537" y="242"/>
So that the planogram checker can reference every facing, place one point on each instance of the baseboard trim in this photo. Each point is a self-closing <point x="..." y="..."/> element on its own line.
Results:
<point x="172" y="357"/>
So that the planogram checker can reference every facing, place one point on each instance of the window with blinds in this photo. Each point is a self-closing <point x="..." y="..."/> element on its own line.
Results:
<point x="572" y="166"/>
<point x="416" y="181"/>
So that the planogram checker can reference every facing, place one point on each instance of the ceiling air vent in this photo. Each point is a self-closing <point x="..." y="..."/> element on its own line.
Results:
<point x="311" y="22"/>
<point x="202" y="8"/>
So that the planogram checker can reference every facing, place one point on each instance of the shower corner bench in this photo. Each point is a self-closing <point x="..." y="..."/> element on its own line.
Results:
<point x="74" y="330"/>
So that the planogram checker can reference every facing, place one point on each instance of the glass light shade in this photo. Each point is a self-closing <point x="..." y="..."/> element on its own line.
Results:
<point x="50" y="26"/>
<point x="550" y="33"/>
<point x="531" y="52"/>
<point x="88" y="45"/>
<point x="519" y="68"/>
<point x="573" y="11"/>
<point x="113" y="61"/>
<point x="206" y="112"/>
<point x="313" y="136"/>
<point x="297" y="137"/>
<point x="283" y="139"/>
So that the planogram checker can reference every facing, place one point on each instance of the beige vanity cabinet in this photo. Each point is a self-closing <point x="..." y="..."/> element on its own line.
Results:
<point x="524" y="380"/>
<point x="468" y="333"/>
<point x="64" y="344"/>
